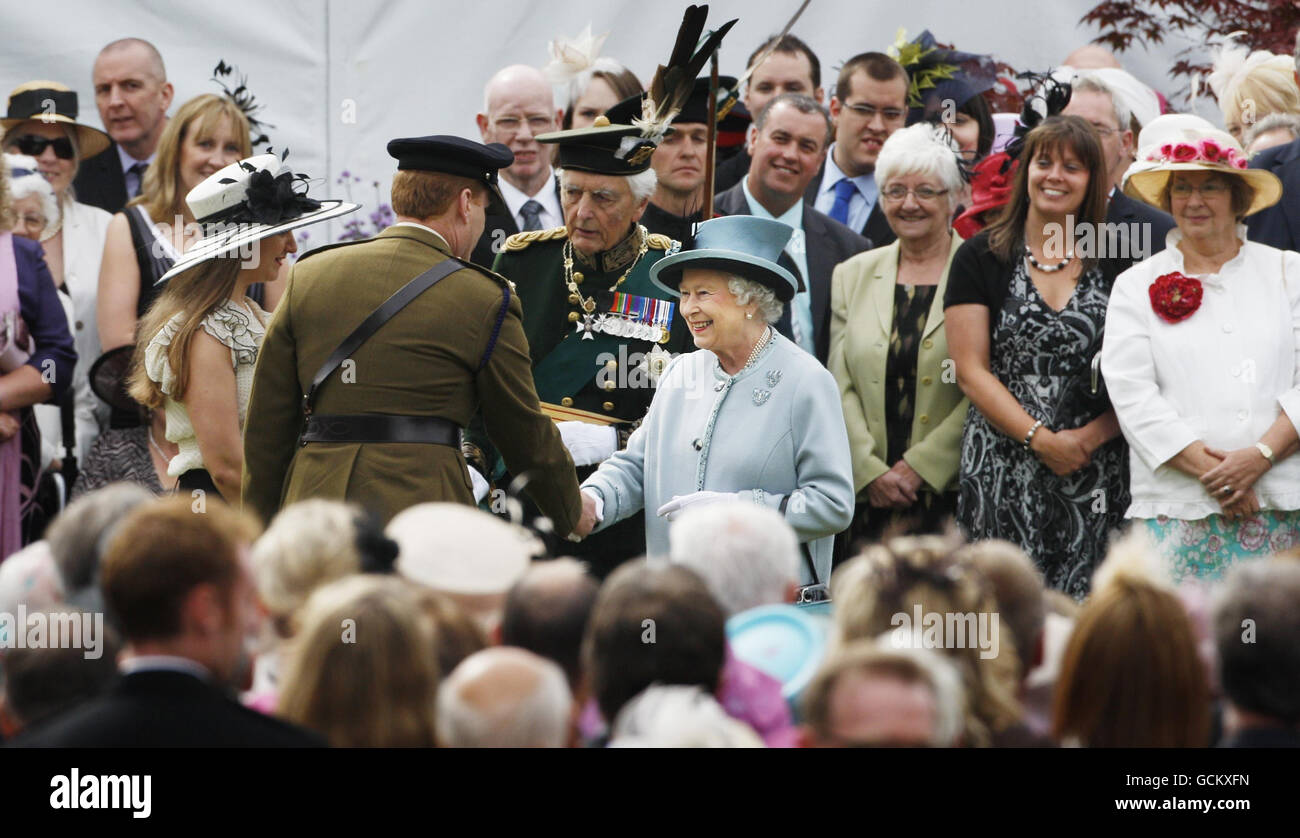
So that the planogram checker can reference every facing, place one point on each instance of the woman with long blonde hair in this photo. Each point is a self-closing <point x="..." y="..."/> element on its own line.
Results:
<point x="207" y="133"/>
<point x="199" y="341"/>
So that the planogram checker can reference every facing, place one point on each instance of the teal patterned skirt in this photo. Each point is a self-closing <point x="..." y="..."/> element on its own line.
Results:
<point x="1206" y="547"/>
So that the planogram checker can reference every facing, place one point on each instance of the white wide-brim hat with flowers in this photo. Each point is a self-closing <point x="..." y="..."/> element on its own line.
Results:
<point x="246" y="202"/>
<point x="1186" y="143"/>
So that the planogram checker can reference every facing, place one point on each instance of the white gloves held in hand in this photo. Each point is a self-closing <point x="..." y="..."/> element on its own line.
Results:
<point x="588" y="444"/>
<point x="680" y="503"/>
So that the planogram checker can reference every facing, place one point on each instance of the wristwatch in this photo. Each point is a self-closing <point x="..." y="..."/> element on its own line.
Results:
<point x="1266" y="451"/>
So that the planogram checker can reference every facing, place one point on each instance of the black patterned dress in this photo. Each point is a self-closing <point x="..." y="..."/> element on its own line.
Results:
<point x="1044" y="358"/>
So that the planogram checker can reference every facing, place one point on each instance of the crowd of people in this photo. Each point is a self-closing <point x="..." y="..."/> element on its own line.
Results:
<point x="692" y="413"/>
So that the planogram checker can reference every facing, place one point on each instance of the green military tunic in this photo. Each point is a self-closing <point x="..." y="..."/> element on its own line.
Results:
<point x="455" y="348"/>
<point x="610" y="377"/>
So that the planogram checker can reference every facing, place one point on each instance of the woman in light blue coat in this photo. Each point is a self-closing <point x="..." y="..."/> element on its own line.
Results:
<point x="751" y="416"/>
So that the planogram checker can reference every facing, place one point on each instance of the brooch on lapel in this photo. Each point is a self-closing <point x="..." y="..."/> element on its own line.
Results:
<point x="761" y="397"/>
<point x="655" y="363"/>
<point x="773" y="378"/>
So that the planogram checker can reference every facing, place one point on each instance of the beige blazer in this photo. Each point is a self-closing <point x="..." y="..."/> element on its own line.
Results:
<point x="862" y="320"/>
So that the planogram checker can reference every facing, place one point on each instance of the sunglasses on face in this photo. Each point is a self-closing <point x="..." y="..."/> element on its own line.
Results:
<point x="34" y="146"/>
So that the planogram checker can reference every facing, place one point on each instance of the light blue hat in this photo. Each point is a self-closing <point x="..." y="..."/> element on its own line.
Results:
<point x="739" y="244"/>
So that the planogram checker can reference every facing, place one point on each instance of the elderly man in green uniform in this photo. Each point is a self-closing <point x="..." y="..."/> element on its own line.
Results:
<point x="368" y="371"/>
<point x="599" y="332"/>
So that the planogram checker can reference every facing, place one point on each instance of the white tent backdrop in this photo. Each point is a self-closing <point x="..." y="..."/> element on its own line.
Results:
<point x="339" y="78"/>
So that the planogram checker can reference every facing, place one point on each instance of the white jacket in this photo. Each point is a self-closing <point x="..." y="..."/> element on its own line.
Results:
<point x="1221" y="375"/>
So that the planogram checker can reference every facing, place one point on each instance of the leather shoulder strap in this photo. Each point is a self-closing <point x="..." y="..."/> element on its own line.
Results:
<point x="377" y="318"/>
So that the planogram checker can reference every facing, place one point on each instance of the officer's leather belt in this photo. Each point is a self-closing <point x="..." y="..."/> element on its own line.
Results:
<point x="381" y="427"/>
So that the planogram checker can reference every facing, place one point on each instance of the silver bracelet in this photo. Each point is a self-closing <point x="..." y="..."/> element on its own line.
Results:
<point x="1029" y="437"/>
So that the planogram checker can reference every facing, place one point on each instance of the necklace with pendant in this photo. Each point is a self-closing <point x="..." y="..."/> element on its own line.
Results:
<point x="585" y="324"/>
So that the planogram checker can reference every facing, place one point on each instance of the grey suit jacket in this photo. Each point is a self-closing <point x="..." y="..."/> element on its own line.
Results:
<point x="828" y="243"/>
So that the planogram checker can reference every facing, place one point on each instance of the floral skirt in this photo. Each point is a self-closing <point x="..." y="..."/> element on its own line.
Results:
<point x="1205" y="548"/>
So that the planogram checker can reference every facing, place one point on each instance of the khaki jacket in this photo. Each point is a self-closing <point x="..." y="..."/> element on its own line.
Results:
<point x="429" y="360"/>
<point x="862" y="320"/>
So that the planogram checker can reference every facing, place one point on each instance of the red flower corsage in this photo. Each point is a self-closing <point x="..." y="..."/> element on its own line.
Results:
<point x="1175" y="297"/>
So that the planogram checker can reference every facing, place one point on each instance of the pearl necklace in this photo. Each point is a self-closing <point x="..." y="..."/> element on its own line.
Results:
<point x="1048" y="269"/>
<point x="758" y="347"/>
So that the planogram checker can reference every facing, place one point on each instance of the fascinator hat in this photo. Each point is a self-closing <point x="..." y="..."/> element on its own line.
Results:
<point x="1186" y="143"/>
<point x="937" y="75"/>
<point x="246" y="202"/>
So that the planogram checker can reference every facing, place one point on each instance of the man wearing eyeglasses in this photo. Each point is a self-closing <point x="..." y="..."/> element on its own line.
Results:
<point x="518" y="104"/>
<point x="788" y="147"/>
<point x="1093" y="100"/>
<point x="869" y="104"/>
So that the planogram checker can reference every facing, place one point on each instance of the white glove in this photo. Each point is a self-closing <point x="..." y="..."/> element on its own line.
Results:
<point x="588" y="444"/>
<point x="680" y="503"/>
<point x="479" y="483"/>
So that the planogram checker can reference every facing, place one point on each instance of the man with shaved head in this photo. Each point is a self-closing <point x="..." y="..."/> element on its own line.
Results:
<point x="132" y="94"/>
<point x="518" y="104"/>
<point x="505" y="698"/>
<point x="1092" y="57"/>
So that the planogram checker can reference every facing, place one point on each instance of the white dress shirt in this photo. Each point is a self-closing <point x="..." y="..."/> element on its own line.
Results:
<point x="1221" y="376"/>
<point x="801" y="320"/>
<point x="552" y="215"/>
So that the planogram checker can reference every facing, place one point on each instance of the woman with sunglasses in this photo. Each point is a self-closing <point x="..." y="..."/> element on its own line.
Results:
<point x="41" y="123"/>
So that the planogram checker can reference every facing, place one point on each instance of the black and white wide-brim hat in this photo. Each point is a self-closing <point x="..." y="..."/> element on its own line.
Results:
<point x="246" y="202"/>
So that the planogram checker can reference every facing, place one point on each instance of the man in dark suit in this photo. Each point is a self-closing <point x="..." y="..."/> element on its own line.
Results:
<point x="176" y="580"/>
<point x="788" y="146"/>
<point x="518" y="104"/>
<point x="869" y="104"/>
<point x="791" y="67"/>
<point x="1094" y="101"/>
<point x="1279" y="225"/>
<point x="132" y="94"/>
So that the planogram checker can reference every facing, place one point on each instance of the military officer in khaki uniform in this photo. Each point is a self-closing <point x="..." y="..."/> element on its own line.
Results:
<point x="599" y="332"/>
<point x="381" y="427"/>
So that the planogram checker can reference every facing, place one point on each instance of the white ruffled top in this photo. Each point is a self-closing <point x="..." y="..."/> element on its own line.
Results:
<point x="1223" y="375"/>
<point x="241" y="329"/>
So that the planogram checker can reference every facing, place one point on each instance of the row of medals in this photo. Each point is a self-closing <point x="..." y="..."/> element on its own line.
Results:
<point x="621" y="326"/>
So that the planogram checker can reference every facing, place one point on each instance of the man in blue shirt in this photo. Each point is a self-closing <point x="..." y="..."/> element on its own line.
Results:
<point x="869" y="104"/>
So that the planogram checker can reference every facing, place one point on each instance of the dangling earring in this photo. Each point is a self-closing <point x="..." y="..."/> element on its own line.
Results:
<point x="749" y="315"/>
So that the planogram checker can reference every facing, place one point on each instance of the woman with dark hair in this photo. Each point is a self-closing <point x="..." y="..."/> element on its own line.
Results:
<point x="947" y="87"/>
<point x="1042" y="462"/>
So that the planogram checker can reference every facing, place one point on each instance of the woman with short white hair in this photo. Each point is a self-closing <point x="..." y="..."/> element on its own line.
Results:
<point x="889" y="350"/>
<point x="753" y="417"/>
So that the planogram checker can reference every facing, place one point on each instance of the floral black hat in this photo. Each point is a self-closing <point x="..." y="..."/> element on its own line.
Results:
<point x="249" y="201"/>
